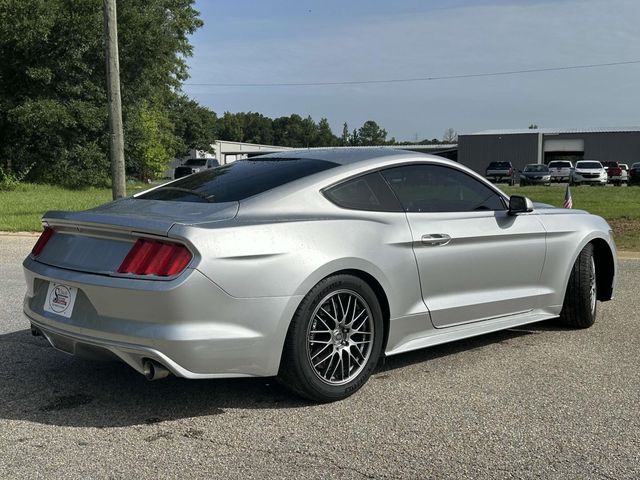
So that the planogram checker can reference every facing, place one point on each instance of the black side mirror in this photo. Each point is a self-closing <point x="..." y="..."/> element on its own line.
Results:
<point x="519" y="204"/>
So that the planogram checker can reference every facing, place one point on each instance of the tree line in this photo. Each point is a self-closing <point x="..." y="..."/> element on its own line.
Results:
<point x="53" y="105"/>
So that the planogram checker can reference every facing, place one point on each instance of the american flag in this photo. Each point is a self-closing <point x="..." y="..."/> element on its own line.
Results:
<point x="568" y="201"/>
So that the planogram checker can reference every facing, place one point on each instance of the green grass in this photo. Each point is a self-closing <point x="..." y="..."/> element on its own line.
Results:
<point x="620" y="206"/>
<point x="22" y="209"/>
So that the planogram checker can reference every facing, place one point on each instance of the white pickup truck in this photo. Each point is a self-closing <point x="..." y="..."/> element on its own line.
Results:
<point x="560" y="170"/>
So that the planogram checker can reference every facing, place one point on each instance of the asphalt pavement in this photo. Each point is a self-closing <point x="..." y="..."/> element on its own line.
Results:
<point x="533" y="402"/>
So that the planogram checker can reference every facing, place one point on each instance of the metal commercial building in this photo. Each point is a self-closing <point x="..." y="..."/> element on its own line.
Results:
<point x="520" y="147"/>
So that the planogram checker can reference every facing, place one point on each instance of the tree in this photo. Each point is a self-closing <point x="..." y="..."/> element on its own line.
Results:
<point x="309" y="132"/>
<point x="355" y="138"/>
<point x="533" y="126"/>
<point x="345" y="138"/>
<point x="256" y="128"/>
<point x="193" y="125"/>
<point x="152" y="142"/>
<point x="289" y="131"/>
<point x="450" y="136"/>
<point x="371" y="134"/>
<point x="230" y="128"/>
<point x="325" y="137"/>
<point x="52" y="86"/>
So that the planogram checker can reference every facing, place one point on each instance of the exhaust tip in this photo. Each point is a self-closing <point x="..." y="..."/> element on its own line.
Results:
<point x="153" y="370"/>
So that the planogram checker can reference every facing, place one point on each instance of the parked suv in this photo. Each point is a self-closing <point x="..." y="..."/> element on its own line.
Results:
<point x="499" y="171"/>
<point x="560" y="170"/>
<point x="194" y="165"/>
<point x="589" y="171"/>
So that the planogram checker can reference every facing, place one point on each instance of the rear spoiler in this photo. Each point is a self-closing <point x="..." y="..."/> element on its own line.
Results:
<point x="138" y="215"/>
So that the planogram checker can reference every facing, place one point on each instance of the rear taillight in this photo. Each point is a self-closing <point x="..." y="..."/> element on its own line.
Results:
<point x="42" y="241"/>
<point x="150" y="257"/>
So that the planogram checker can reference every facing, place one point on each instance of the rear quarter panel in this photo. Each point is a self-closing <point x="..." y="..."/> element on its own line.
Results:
<point x="256" y="256"/>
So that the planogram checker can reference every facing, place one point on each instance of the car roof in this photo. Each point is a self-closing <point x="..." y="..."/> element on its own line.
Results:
<point x="341" y="155"/>
<point x="352" y="161"/>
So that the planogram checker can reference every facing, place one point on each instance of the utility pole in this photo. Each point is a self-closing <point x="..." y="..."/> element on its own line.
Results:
<point x="116" y="136"/>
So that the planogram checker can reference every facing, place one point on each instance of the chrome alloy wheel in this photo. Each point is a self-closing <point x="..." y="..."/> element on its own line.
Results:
<point x="593" y="291"/>
<point x="340" y="337"/>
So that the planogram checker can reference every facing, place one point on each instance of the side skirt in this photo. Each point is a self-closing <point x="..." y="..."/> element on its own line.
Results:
<point x="440" y="336"/>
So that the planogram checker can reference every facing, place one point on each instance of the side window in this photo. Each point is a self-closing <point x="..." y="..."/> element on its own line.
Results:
<point x="435" y="188"/>
<point x="368" y="192"/>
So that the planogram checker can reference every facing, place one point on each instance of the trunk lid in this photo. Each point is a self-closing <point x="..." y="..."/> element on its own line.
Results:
<point x="98" y="240"/>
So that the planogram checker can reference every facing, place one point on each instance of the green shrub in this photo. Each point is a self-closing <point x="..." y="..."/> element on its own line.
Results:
<point x="10" y="181"/>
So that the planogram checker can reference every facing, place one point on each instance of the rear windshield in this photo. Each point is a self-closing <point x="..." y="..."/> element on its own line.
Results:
<point x="238" y="180"/>
<point x="500" y="165"/>
<point x="560" y="164"/>
<point x="588" y="165"/>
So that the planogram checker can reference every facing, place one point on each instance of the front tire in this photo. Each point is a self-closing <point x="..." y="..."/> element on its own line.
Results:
<point x="334" y="340"/>
<point x="580" y="300"/>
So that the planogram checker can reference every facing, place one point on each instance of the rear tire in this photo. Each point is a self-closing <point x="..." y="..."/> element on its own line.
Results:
<point x="580" y="300"/>
<point x="327" y="355"/>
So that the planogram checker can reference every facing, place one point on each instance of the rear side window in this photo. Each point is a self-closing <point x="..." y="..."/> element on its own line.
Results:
<point x="238" y="180"/>
<point x="368" y="192"/>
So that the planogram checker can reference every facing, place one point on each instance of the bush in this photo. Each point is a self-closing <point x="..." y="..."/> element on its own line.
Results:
<point x="10" y="181"/>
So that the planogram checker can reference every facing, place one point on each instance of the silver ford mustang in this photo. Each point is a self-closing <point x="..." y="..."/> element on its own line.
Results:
<point x="310" y="265"/>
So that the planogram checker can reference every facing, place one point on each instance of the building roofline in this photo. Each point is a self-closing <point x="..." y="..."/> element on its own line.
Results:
<point x="555" y="131"/>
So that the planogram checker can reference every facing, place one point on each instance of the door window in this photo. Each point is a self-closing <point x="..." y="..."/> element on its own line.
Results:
<point x="436" y="188"/>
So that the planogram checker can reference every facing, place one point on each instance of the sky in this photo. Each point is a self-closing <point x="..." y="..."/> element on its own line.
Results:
<point x="303" y="41"/>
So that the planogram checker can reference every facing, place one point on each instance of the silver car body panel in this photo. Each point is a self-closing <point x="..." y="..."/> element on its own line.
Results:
<point x="254" y="261"/>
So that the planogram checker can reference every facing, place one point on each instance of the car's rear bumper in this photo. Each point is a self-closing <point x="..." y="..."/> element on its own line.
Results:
<point x="189" y="325"/>
<point x="497" y="175"/>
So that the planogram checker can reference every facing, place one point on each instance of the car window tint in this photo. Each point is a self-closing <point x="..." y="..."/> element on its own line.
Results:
<point x="435" y="188"/>
<point x="238" y="180"/>
<point x="368" y="192"/>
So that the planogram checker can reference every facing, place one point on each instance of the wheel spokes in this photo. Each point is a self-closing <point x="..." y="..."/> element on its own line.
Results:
<point x="340" y="337"/>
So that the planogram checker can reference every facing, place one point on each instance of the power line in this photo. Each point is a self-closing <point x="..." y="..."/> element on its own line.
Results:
<point x="417" y="79"/>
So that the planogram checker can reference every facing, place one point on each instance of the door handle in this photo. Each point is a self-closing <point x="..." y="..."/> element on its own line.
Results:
<point x="435" y="239"/>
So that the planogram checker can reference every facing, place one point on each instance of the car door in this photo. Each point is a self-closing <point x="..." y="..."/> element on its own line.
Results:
<point x="475" y="261"/>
